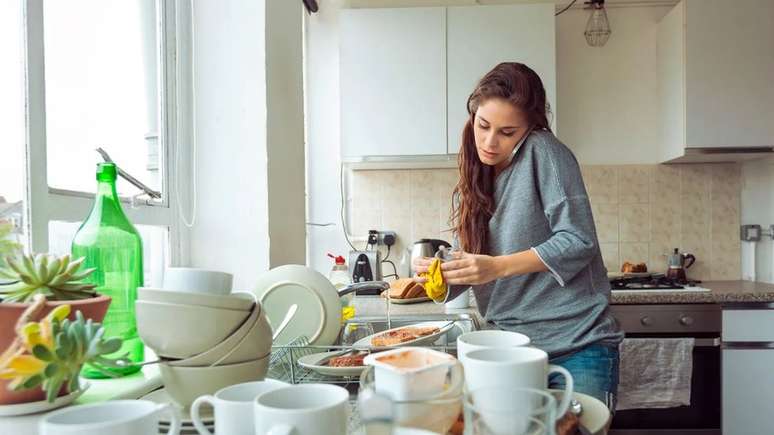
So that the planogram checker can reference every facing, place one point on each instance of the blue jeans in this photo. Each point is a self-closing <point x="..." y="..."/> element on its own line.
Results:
<point x="594" y="370"/>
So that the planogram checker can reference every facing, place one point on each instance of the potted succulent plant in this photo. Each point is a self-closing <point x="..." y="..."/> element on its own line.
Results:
<point x="58" y="281"/>
<point x="48" y="355"/>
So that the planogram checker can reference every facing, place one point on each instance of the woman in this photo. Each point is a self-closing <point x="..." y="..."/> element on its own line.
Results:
<point x="523" y="222"/>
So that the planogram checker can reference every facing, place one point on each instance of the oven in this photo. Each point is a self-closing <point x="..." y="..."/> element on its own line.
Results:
<point x="701" y="322"/>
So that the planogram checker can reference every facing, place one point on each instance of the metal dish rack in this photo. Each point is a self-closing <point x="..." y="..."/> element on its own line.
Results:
<point x="283" y="363"/>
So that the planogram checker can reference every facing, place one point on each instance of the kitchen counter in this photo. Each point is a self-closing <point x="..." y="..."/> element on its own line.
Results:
<point x="721" y="292"/>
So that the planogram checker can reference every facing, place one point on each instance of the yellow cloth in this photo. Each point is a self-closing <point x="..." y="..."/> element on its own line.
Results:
<point x="435" y="287"/>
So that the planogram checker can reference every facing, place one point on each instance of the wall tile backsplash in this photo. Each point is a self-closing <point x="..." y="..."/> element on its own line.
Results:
<point x="641" y="212"/>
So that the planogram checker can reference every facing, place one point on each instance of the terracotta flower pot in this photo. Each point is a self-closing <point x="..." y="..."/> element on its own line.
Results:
<point x="92" y="308"/>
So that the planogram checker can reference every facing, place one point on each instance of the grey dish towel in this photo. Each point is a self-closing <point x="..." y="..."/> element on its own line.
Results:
<point x="655" y="373"/>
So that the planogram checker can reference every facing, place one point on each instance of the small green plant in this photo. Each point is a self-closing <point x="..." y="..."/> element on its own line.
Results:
<point x="52" y="352"/>
<point x="56" y="278"/>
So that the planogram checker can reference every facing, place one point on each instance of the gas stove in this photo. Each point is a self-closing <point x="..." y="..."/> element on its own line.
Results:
<point x="653" y="282"/>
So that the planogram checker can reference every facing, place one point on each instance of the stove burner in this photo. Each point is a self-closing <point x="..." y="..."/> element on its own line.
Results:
<point x="654" y="282"/>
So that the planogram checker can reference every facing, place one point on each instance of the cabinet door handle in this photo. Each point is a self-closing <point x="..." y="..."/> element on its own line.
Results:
<point x="646" y="321"/>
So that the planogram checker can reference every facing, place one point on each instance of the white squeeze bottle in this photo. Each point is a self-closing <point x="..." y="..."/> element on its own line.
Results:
<point x="339" y="277"/>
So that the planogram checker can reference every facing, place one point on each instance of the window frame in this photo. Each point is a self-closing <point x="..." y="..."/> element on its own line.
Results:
<point x="44" y="204"/>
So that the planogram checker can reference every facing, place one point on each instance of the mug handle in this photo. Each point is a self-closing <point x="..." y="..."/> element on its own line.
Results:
<point x="174" y="427"/>
<point x="568" y="389"/>
<point x="195" y="418"/>
<point x="280" y="429"/>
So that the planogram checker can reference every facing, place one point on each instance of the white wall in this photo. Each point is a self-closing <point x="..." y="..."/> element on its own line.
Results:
<point x="231" y="229"/>
<point x="285" y="132"/>
<point x="608" y="96"/>
<point x="322" y="130"/>
<point x="250" y="162"/>
<point x="758" y="208"/>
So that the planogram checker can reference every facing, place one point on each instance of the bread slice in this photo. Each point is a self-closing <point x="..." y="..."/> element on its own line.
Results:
<point x="400" y="288"/>
<point x="416" y="291"/>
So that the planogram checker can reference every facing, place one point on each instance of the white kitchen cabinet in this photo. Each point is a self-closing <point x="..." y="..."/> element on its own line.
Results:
<point x="393" y="81"/>
<point x="715" y="66"/>
<point x="480" y="37"/>
<point x="748" y="383"/>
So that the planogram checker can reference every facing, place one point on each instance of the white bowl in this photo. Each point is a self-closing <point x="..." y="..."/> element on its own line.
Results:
<point x="233" y="301"/>
<point x="181" y="331"/>
<point x="195" y="280"/>
<point x="185" y="384"/>
<point x="251" y="341"/>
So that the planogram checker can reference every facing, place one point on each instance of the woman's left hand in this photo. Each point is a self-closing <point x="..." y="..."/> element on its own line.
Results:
<point x="471" y="269"/>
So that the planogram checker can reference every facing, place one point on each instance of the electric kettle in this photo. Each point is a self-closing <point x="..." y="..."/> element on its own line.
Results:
<point x="425" y="248"/>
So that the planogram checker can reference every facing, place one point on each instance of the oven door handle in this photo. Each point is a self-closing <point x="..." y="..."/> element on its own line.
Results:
<point x="707" y="342"/>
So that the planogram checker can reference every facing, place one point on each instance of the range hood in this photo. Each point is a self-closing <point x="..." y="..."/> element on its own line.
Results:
<point x="723" y="154"/>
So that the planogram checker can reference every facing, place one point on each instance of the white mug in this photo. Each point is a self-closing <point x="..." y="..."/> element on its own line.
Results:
<point x="115" y="417"/>
<point x="189" y="279"/>
<point x="460" y="302"/>
<point x="302" y="409"/>
<point x="516" y="367"/>
<point x="233" y="407"/>
<point x="489" y="339"/>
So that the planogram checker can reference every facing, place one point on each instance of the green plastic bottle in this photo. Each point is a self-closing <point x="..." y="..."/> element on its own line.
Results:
<point x="112" y="245"/>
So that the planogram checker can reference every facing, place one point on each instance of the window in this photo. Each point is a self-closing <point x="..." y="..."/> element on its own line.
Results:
<point x="105" y="73"/>
<point x="12" y="162"/>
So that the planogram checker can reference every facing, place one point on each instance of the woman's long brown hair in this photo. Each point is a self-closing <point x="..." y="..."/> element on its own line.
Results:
<point x="473" y="203"/>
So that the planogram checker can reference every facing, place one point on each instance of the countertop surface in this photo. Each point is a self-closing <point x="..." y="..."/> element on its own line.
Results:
<point x="721" y="292"/>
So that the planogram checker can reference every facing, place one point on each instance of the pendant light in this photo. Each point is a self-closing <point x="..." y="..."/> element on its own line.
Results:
<point x="598" y="27"/>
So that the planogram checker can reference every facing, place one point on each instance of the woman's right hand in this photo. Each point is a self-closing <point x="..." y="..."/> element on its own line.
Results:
<point x="420" y="265"/>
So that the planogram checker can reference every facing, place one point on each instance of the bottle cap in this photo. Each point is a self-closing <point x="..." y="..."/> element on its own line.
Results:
<point x="337" y="258"/>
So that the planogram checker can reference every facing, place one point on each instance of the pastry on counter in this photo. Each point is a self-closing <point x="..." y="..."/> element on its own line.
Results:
<point x="634" y="268"/>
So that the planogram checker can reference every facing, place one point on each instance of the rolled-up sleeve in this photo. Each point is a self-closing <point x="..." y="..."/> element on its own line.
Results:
<point x="573" y="242"/>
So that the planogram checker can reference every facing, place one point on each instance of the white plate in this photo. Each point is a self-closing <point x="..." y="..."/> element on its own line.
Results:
<point x="595" y="416"/>
<point x="446" y="326"/>
<point x="410" y="300"/>
<point x="311" y="362"/>
<point x="42" y="405"/>
<point x="319" y="311"/>
<point x="161" y="396"/>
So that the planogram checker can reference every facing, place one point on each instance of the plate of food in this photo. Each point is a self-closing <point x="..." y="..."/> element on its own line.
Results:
<point x="411" y="335"/>
<point x="336" y="363"/>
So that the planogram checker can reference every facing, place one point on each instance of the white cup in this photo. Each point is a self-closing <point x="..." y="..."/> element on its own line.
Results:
<point x="460" y="302"/>
<point x="233" y="407"/>
<point x="517" y="367"/>
<point x="302" y="409"/>
<point x="115" y="417"/>
<point x="189" y="279"/>
<point x="489" y="339"/>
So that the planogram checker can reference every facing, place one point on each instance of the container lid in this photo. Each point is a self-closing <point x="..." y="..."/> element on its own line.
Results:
<point x="337" y="258"/>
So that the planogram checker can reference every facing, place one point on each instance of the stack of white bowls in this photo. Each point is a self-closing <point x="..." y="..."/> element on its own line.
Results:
<point x="208" y="336"/>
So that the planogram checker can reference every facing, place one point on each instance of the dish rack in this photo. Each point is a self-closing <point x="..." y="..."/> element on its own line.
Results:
<point x="283" y="363"/>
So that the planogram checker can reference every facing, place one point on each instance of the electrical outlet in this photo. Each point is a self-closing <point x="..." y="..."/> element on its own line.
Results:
<point x="373" y="237"/>
<point x="387" y="238"/>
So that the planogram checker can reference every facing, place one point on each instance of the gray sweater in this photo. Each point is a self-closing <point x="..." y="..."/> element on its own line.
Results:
<point x="541" y="203"/>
